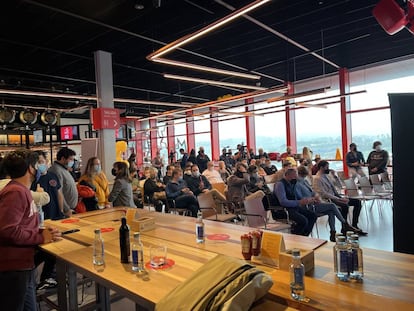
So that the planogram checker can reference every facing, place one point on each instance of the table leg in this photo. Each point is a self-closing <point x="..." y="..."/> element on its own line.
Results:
<point x="61" y="285"/>
<point x="73" y="289"/>
<point x="103" y="299"/>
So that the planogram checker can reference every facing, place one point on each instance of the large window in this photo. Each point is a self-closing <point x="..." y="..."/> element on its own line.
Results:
<point x="180" y="132"/>
<point x="202" y="134"/>
<point x="232" y="130"/>
<point x="270" y="129"/>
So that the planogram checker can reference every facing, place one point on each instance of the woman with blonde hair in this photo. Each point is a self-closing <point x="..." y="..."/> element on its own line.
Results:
<point x="94" y="176"/>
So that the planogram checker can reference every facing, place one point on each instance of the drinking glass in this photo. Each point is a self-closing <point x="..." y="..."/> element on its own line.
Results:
<point x="158" y="255"/>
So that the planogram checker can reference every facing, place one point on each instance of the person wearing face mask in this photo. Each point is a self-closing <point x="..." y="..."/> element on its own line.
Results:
<point x="236" y="184"/>
<point x="285" y="192"/>
<point x="354" y="161"/>
<point x="95" y="176"/>
<point x="328" y="193"/>
<point x="377" y="159"/>
<point x="121" y="194"/>
<point x="20" y="233"/>
<point x="178" y="191"/>
<point x="213" y="176"/>
<point x="65" y="159"/>
<point x="154" y="190"/>
<point x="199" y="184"/>
<point x="202" y="160"/>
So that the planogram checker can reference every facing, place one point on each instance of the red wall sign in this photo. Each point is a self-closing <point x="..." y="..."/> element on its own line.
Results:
<point x="105" y="118"/>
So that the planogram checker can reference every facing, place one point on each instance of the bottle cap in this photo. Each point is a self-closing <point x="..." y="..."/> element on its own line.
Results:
<point x="136" y="234"/>
<point x="123" y="220"/>
<point x="295" y="252"/>
<point x="97" y="230"/>
<point x="355" y="237"/>
<point x="340" y="238"/>
<point x="349" y="233"/>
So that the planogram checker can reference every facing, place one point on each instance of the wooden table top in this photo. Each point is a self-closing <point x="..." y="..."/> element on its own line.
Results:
<point x="388" y="281"/>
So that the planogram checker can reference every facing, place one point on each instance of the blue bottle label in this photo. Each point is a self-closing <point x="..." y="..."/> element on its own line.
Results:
<point x="298" y="275"/>
<point x="200" y="232"/>
<point x="355" y="263"/>
<point x="135" y="257"/>
<point x="343" y="261"/>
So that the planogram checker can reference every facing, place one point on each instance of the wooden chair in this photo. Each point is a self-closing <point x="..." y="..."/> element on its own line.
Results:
<point x="220" y="187"/>
<point x="256" y="216"/>
<point x="211" y="211"/>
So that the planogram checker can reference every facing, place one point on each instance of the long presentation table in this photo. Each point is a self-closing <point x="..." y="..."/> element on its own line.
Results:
<point x="388" y="283"/>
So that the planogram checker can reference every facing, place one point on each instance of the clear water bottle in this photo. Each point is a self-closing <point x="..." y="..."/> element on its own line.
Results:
<point x="297" y="277"/>
<point x="41" y="216"/>
<point x="137" y="254"/>
<point x="357" y="265"/>
<point x="342" y="259"/>
<point x="200" y="228"/>
<point x="335" y="252"/>
<point x="348" y="236"/>
<point x="98" y="251"/>
<point x="124" y="244"/>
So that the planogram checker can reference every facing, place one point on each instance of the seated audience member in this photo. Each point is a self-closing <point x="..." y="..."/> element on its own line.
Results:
<point x="258" y="184"/>
<point x="315" y="166"/>
<point x="237" y="183"/>
<point x="304" y="190"/>
<point x="136" y="188"/>
<point x="121" y="194"/>
<point x="178" y="191"/>
<point x="94" y="175"/>
<point x="155" y="190"/>
<point x="168" y="174"/>
<point x="20" y="233"/>
<point x="224" y="171"/>
<point x="280" y="174"/>
<point x="354" y="161"/>
<point x="286" y="154"/>
<point x="187" y="170"/>
<point x="286" y="195"/>
<point x="327" y="191"/>
<point x="261" y="153"/>
<point x="377" y="159"/>
<point x="269" y="168"/>
<point x="199" y="184"/>
<point x="213" y="176"/>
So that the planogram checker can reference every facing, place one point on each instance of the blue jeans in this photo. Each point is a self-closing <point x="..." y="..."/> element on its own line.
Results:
<point x="18" y="290"/>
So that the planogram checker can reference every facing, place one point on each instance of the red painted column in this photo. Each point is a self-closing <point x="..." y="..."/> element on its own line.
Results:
<point x="153" y="137"/>
<point x="170" y="136"/>
<point x="139" y="143"/>
<point x="290" y="121"/>
<point x="214" y="134"/>
<point x="345" y="117"/>
<point x="250" y="126"/>
<point x="190" y="131"/>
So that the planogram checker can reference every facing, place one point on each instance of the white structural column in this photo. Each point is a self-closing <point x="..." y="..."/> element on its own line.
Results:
<point x="105" y="99"/>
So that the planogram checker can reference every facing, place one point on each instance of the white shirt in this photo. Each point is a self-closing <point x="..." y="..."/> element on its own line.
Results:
<point x="213" y="176"/>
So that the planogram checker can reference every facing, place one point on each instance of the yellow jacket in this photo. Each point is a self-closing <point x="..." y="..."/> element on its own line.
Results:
<point x="101" y="184"/>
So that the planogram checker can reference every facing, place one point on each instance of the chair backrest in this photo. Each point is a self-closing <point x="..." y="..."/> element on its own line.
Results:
<point x="385" y="177"/>
<point x="350" y="184"/>
<point x="207" y="204"/>
<point x="255" y="206"/>
<point x="364" y="182"/>
<point x="375" y="179"/>
<point x="220" y="187"/>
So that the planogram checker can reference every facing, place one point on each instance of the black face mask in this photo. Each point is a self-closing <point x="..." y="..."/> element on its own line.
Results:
<point x="327" y="171"/>
<point x="113" y="172"/>
<point x="293" y="181"/>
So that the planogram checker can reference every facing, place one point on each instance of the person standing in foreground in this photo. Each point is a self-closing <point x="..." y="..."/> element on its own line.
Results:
<point x="377" y="159"/>
<point x="20" y="233"/>
<point x="65" y="159"/>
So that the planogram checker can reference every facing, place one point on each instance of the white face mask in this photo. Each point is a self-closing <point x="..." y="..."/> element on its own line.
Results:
<point x="378" y="148"/>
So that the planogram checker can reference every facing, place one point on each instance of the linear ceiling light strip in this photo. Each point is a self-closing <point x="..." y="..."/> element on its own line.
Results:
<point x="213" y="82"/>
<point x="92" y="98"/>
<point x="205" y="68"/>
<point x="221" y="101"/>
<point x="190" y="37"/>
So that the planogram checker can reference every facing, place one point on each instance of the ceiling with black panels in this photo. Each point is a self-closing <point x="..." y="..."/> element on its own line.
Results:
<point x="48" y="46"/>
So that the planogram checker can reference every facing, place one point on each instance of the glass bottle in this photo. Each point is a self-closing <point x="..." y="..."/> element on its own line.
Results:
<point x="357" y="265"/>
<point x="199" y="228"/>
<point x="137" y="254"/>
<point x="98" y="252"/>
<point x="335" y="252"/>
<point x="348" y="236"/>
<point x="124" y="241"/>
<point x="342" y="259"/>
<point x="41" y="216"/>
<point x="297" y="277"/>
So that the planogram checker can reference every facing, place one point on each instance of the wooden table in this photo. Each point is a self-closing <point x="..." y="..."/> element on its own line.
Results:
<point x="388" y="282"/>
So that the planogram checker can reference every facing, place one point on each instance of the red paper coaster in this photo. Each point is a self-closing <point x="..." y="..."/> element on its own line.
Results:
<point x="218" y="237"/>
<point x="103" y="230"/>
<point x="70" y="220"/>
<point x="168" y="264"/>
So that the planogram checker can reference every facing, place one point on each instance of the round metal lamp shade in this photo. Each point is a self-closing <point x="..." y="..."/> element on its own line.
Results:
<point x="7" y="115"/>
<point x="28" y="116"/>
